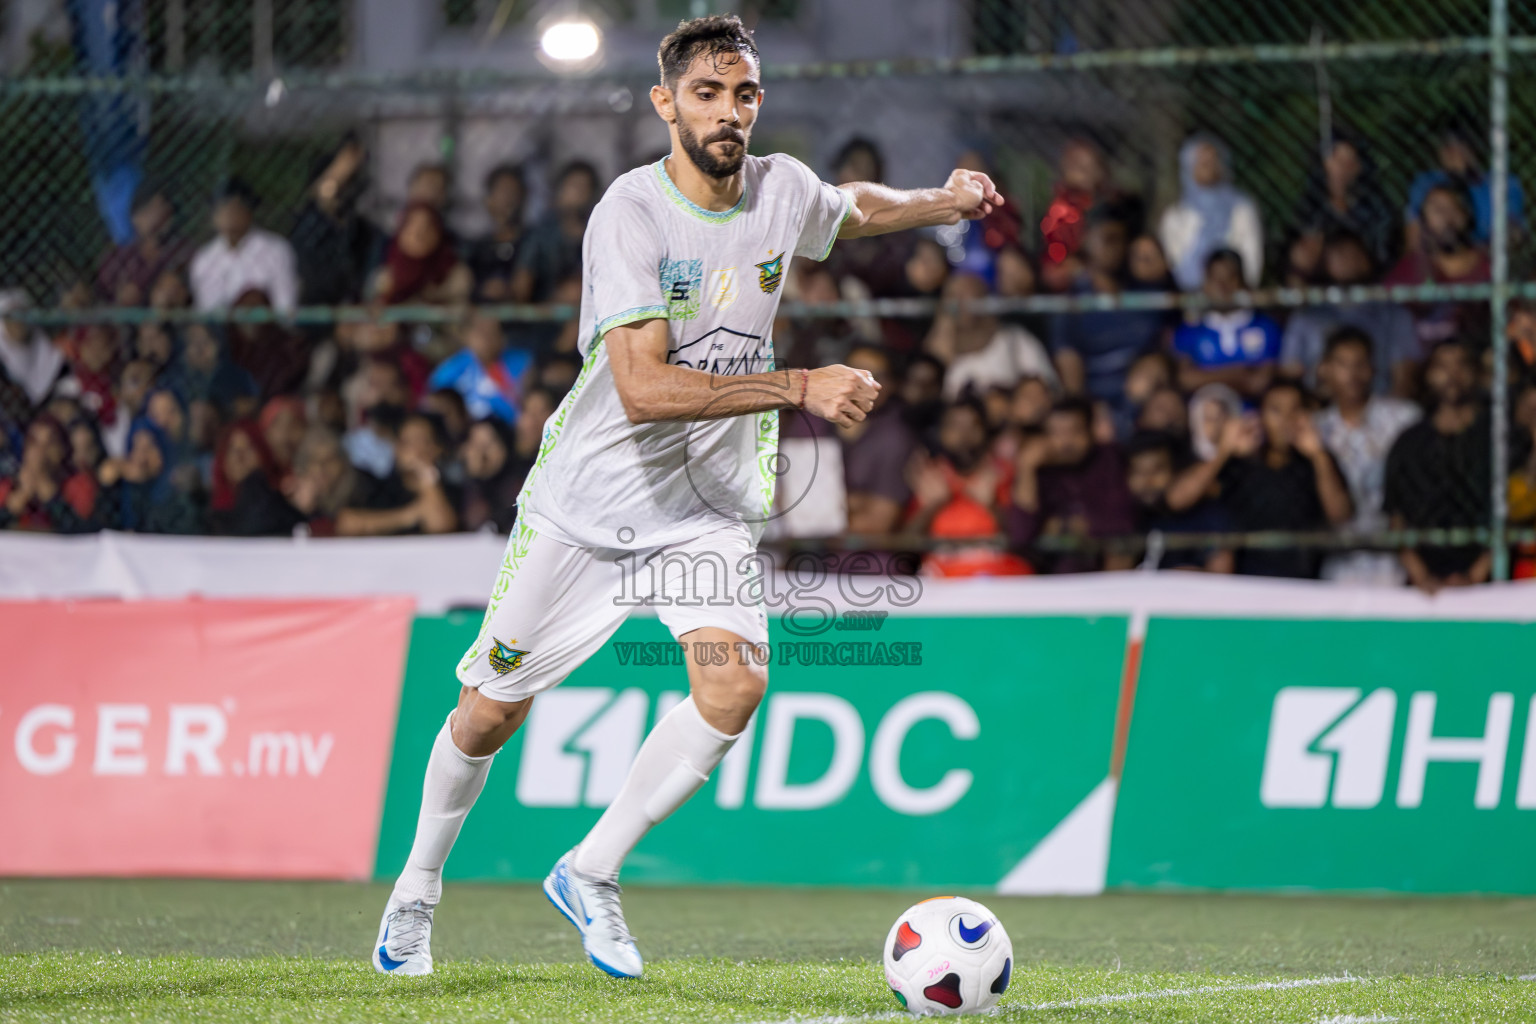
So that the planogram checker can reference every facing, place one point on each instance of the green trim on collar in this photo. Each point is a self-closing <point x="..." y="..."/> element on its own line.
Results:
<point x="688" y="205"/>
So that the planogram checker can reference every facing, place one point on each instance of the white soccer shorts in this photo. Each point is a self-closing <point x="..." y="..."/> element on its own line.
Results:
<point x="554" y="604"/>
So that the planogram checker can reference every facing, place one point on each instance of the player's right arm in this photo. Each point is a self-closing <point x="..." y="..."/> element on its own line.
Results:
<point x="654" y="390"/>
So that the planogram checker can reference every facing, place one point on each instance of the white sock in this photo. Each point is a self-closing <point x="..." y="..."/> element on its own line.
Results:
<point x="452" y="784"/>
<point x="674" y="762"/>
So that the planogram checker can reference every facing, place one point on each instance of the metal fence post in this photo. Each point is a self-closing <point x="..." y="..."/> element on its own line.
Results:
<point x="1498" y="131"/>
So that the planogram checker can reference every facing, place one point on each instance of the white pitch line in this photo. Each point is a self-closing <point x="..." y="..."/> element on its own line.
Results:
<point x="1377" y="1018"/>
<point x="1113" y="997"/>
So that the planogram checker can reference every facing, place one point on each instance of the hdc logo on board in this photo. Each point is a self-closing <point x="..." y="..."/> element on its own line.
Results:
<point x="579" y="741"/>
<point x="1332" y="746"/>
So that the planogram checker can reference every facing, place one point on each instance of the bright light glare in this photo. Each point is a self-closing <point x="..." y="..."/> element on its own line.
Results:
<point x="570" y="40"/>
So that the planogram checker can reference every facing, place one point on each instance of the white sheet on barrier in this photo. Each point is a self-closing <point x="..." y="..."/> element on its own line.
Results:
<point x="458" y="571"/>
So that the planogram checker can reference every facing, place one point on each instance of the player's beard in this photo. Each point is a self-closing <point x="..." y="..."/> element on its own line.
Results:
<point x="703" y="159"/>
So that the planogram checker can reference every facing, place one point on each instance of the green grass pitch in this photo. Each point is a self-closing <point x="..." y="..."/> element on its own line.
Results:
<point x="87" y="951"/>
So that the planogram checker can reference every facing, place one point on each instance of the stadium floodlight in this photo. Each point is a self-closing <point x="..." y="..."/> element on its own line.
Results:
<point x="571" y="41"/>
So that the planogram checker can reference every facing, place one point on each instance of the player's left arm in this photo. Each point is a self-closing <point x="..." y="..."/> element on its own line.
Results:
<point x="877" y="209"/>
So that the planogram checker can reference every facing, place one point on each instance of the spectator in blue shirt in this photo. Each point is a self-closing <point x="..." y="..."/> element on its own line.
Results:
<point x="485" y="371"/>
<point x="1235" y="347"/>
<point x="1459" y="166"/>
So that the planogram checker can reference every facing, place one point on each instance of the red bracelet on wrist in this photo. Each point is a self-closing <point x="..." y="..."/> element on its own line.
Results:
<point x="805" y="383"/>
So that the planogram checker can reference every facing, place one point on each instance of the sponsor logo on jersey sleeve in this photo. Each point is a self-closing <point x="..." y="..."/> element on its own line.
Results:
<point x="682" y="285"/>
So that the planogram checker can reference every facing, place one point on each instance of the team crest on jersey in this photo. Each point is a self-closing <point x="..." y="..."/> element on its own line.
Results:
<point x="504" y="659"/>
<point x="770" y="273"/>
<point x="682" y="285"/>
<point x="722" y="287"/>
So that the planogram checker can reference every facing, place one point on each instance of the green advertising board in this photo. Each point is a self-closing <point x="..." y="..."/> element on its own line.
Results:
<point x="943" y="773"/>
<point x="1344" y="755"/>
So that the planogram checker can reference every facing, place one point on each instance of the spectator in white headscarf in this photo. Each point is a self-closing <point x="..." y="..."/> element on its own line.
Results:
<point x="1211" y="214"/>
<point x="1209" y="410"/>
<point x="27" y="355"/>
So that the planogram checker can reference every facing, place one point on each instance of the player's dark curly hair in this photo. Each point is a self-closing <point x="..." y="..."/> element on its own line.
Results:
<point x="712" y="36"/>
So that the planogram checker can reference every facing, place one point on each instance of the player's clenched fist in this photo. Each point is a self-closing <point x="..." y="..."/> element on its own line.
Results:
<point x="975" y="195"/>
<point x="840" y="394"/>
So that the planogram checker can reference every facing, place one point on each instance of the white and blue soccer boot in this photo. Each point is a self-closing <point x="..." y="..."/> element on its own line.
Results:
<point x="405" y="939"/>
<point x="592" y="905"/>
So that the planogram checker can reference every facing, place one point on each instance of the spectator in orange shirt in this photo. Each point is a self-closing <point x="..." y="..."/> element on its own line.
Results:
<point x="959" y="494"/>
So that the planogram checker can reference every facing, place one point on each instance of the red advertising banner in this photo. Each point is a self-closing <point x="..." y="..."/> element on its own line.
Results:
<point x="196" y="737"/>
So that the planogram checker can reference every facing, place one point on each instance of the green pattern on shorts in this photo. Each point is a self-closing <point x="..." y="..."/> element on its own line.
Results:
<point x="767" y="452"/>
<point x="518" y="547"/>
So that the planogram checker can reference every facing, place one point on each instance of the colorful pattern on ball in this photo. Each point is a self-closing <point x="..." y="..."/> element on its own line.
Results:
<point x="906" y="941"/>
<point x="946" y="991"/>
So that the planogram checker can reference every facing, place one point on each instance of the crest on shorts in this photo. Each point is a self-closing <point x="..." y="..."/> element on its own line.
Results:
<point x="504" y="659"/>
<point x="770" y="273"/>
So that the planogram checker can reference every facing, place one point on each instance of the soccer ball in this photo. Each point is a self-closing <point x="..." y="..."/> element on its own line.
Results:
<point x="948" y="955"/>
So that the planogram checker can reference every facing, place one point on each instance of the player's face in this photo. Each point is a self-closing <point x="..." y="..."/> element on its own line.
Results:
<point x="713" y="106"/>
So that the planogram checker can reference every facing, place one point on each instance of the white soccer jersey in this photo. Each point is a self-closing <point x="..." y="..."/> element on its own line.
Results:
<point x="602" y="481"/>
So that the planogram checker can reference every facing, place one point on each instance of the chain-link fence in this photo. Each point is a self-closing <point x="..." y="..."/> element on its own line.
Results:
<point x="1346" y="129"/>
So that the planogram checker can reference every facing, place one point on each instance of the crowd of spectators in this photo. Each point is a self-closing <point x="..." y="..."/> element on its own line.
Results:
<point x="993" y="432"/>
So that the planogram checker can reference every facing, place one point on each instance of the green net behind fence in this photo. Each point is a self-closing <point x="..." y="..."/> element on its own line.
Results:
<point x="189" y="95"/>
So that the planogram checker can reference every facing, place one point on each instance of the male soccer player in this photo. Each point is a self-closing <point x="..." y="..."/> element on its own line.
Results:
<point x="661" y="454"/>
